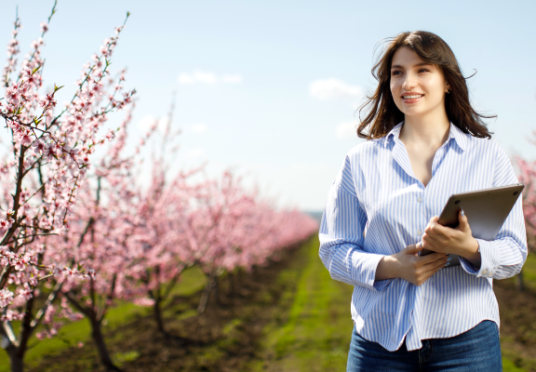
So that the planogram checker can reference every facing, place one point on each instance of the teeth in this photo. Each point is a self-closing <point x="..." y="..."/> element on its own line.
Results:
<point x="414" y="96"/>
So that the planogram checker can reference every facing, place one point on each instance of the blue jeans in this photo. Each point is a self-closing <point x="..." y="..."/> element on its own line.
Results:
<point x="476" y="350"/>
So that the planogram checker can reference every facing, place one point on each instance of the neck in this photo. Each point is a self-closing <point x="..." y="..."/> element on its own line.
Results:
<point x="432" y="131"/>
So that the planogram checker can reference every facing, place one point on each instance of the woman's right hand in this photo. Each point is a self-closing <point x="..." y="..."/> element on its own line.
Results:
<point x="408" y="265"/>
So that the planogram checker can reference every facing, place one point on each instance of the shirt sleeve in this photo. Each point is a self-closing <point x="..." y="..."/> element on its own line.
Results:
<point x="341" y="236"/>
<point x="503" y="257"/>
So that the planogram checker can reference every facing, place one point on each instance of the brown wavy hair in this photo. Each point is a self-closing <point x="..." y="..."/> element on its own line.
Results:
<point x="382" y="113"/>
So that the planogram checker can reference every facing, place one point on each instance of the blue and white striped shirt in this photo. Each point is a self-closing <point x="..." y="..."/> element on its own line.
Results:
<point x="376" y="207"/>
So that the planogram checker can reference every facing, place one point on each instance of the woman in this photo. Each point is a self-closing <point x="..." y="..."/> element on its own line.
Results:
<point x="425" y="143"/>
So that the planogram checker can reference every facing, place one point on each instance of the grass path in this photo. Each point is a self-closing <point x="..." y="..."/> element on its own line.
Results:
<point x="317" y="334"/>
<point x="73" y="332"/>
<point x="318" y="330"/>
<point x="305" y="325"/>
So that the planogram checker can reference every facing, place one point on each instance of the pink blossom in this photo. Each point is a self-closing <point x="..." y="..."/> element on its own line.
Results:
<point x="26" y="140"/>
<point x="6" y="297"/>
<point x="11" y="315"/>
<point x="143" y="301"/>
<point x="12" y="95"/>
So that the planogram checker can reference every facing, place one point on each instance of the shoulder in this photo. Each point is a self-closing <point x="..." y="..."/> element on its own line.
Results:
<point x="369" y="148"/>
<point x="487" y="147"/>
<point x="356" y="162"/>
<point x="490" y="154"/>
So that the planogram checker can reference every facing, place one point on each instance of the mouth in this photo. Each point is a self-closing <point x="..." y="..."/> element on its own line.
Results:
<point x="411" y="97"/>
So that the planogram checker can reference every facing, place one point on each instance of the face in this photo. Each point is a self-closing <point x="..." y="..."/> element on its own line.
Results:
<point x="418" y="88"/>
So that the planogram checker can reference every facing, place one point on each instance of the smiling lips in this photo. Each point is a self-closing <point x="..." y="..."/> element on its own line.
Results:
<point x="411" y="97"/>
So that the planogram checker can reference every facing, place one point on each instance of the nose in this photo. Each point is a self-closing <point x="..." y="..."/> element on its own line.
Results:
<point x="410" y="81"/>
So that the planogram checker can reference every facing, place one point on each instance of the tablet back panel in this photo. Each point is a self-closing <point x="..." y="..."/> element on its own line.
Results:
<point x="486" y="210"/>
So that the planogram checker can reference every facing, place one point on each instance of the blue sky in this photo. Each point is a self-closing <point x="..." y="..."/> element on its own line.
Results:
<point x="270" y="88"/>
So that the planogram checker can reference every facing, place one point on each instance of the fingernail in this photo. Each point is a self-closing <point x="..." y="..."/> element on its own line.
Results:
<point x="448" y="263"/>
<point x="449" y="259"/>
<point x="463" y="213"/>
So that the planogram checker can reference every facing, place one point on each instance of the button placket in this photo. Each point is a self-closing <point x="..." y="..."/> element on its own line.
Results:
<point x="422" y="215"/>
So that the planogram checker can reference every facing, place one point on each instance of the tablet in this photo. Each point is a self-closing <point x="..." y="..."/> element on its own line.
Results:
<point x="486" y="211"/>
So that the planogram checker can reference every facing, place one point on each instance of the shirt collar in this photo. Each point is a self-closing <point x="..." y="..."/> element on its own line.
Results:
<point x="455" y="134"/>
<point x="460" y="137"/>
<point x="395" y="132"/>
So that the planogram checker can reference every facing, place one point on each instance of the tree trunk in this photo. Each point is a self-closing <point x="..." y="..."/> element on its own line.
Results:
<point x="520" y="282"/>
<point x="158" y="315"/>
<point x="17" y="362"/>
<point x="96" y="333"/>
<point x="211" y="284"/>
<point x="16" y="353"/>
<point x="231" y="282"/>
<point x="218" y="291"/>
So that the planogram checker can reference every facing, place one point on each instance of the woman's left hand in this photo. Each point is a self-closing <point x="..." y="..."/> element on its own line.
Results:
<point x="444" y="239"/>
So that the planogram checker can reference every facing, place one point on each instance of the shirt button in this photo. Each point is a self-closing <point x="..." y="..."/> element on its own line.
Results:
<point x="419" y="232"/>
<point x="419" y="200"/>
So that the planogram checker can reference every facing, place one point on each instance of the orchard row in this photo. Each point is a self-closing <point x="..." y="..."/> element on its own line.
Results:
<point x="85" y="222"/>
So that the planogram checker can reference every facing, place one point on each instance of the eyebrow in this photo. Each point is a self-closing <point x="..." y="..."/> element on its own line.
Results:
<point x="417" y="65"/>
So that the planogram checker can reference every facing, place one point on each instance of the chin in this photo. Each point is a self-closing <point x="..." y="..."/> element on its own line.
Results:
<point x="413" y="113"/>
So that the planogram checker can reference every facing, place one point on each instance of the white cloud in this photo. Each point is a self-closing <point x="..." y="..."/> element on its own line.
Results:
<point x="199" y="128"/>
<point x="329" y="89"/>
<point x="346" y="129"/>
<point x="209" y="78"/>
<point x="148" y="121"/>
<point x="197" y="153"/>
<point x="232" y="79"/>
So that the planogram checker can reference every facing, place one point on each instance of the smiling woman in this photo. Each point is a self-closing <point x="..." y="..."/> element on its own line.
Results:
<point x="425" y="143"/>
<point x="433" y="53"/>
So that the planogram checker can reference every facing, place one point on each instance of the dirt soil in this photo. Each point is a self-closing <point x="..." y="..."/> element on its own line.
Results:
<point x="227" y="336"/>
<point x="224" y="338"/>
<point x="518" y="323"/>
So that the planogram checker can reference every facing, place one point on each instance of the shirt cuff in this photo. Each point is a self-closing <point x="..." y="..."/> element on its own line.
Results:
<point x="489" y="261"/>
<point x="364" y="266"/>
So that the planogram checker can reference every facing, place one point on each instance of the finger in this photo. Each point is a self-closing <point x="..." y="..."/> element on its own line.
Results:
<point x="429" y="270"/>
<point x="434" y="268"/>
<point x="412" y="249"/>
<point x="418" y="248"/>
<point x="463" y="221"/>
<point x="437" y="231"/>
<point x="431" y="243"/>
<point x="431" y="258"/>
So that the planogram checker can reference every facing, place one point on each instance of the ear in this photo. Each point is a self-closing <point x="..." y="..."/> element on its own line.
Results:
<point x="447" y="88"/>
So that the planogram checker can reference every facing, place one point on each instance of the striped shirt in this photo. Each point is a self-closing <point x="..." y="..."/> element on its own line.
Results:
<point x="376" y="207"/>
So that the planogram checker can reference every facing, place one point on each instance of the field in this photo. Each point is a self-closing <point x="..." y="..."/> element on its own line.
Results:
<point x="288" y="316"/>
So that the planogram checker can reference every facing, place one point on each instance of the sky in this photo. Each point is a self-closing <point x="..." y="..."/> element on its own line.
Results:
<point x="270" y="89"/>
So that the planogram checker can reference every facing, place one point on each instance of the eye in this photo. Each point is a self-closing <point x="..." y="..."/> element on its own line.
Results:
<point x="424" y="70"/>
<point x="396" y="72"/>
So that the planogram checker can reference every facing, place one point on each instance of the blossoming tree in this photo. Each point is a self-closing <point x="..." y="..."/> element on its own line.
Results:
<point x="42" y="171"/>
<point x="78" y="234"/>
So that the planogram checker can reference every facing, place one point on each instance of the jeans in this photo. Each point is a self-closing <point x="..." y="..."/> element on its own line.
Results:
<point x="478" y="349"/>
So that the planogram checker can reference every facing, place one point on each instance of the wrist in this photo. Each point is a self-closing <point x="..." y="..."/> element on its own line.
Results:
<point x="389" y="267"/>
<point x="473" y="251"/>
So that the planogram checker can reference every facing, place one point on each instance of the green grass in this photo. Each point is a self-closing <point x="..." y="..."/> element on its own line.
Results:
<point x="73" y="332"/>
<point x="316" y="333"/>
<point x="529" y="271"/>
<point x="310" y="328"/>
<point x="509" y="366"/>
<point x="318" y="326"/>
<point x="529" y="277"/>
